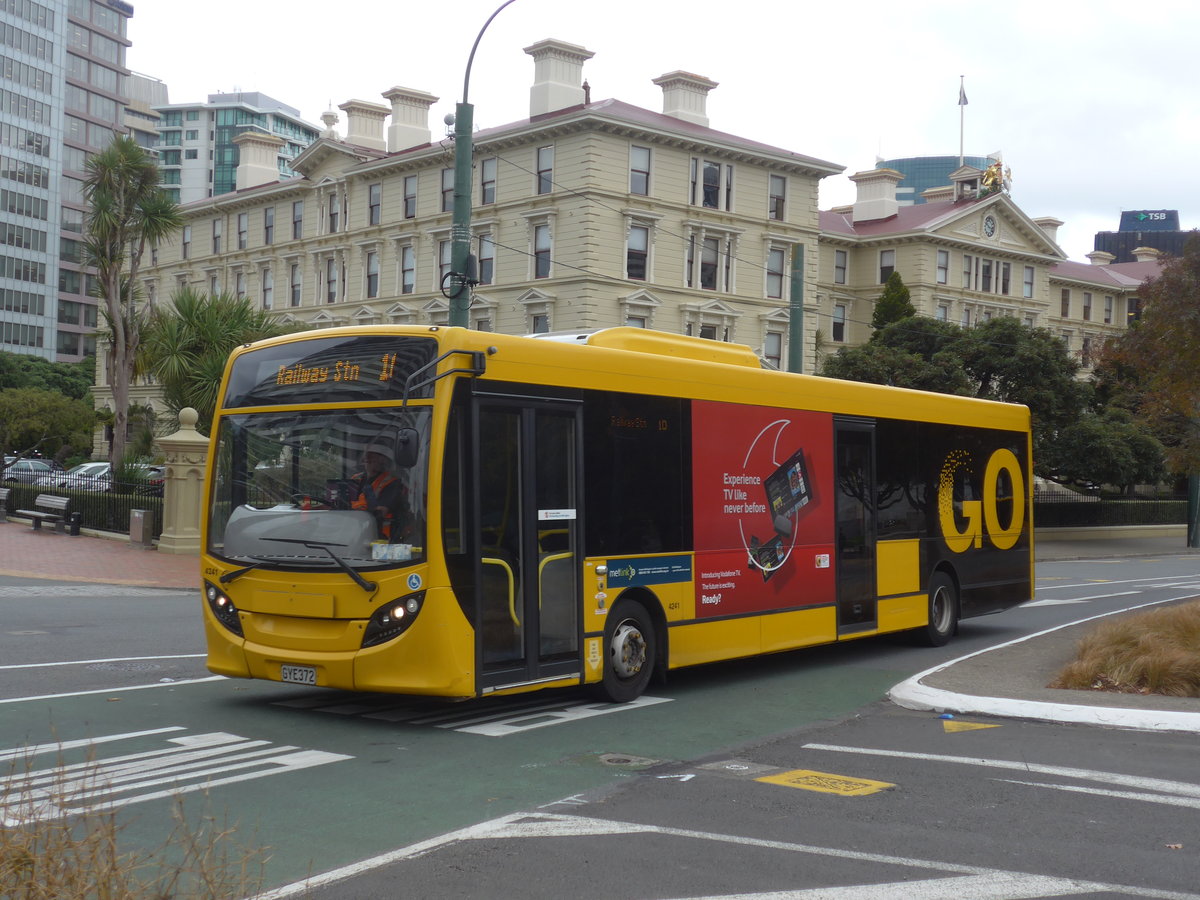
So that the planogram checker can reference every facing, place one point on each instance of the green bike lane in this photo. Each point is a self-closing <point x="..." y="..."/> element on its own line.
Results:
<point x="322" y="779"/>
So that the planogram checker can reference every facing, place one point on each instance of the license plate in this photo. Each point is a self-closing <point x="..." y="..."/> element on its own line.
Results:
<point x="298" y="674"/>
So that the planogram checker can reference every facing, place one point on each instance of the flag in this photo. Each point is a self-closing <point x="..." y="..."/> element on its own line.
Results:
<point x="962" y="95"/>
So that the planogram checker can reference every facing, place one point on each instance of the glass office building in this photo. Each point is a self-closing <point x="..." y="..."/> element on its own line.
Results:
<point x="924" y="172"/>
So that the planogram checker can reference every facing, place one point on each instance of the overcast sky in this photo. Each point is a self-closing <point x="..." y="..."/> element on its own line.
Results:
<point x="1095" y="105"/>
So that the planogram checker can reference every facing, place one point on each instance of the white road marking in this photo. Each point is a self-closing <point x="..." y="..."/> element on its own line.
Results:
<point x="92" y="662"/>
<point x="115" y="690"/>
<point x="59" y="746"/>
<point x="1192" y="803"/>
<point x="1175" y="788"/>
<point x="90" y="590"/>
<point x="1055" y="602"/>
<point x="195" y="763"/>
<point x="972" y="881"/>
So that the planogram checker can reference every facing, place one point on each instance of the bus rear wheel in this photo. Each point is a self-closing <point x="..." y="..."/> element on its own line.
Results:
<point x="630" y="647"/>
<point x="943" y="611"/>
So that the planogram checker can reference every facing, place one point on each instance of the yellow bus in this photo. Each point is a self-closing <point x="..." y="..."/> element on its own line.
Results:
<point x="455" y="513"/>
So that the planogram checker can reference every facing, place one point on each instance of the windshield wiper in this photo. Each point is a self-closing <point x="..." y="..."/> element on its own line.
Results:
<point x="368" y="586"/>
<point x="238" y="573"/>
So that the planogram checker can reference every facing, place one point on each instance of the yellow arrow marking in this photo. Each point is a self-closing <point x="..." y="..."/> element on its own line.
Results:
<point x="808" y="780"/>
<point x="953" y="727"/>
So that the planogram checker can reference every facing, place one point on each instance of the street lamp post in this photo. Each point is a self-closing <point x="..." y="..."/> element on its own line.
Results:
<point x="462" y="263"/>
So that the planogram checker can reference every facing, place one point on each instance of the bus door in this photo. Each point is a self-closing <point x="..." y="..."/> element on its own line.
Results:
<point x="854" y="470"/>
<point x="529" y="489"/>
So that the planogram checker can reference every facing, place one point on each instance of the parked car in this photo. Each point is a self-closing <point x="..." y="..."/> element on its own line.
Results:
<point x="85" y="476"/>
<point x="28" y="471"/>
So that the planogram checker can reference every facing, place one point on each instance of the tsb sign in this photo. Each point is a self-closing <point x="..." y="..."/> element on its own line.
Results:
<point x="1003" y="482"/>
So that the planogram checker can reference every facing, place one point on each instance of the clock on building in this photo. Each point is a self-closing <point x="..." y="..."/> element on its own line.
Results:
<point x="989" y="226"/>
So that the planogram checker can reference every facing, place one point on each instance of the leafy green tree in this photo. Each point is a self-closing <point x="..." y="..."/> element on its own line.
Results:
<point x="1000" y="359"/>
<point x="185" y="345"/>
<point x="72" y="380"/>
<point x="127" y="210"/>
<point x="1152" y="368"/>
<point x="33" y="420"/>
<point x="1105" y="447"/>
<point x="893" y="305"/>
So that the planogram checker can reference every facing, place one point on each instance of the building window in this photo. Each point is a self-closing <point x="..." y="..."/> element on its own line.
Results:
<point x="216" y="235"/>
<point x="331" y="280"/>
<point x="410" y="196"/>
<point x="297" y="220"/>
<point x="1005" y="277"/>
<point x="777" y="195"/>
<point x="985" y="273"/>
<point x="639" y="170"/>
<point x="268" y="289"/>
<point x="408" y="269"/>
<point x="968" y="261"/>
<point x="447" y="190"/>
<point x="1085" y="353"/>
<point x="711" y="274"/>
<point x="887" y="264"/>
<point x="773" y="348"/>
<point x="637" y="252"/>
<point x="541" y="323"/>
<point x="374" y="204"/>
<point x="487" y="181"/>
<point x="712" y="184"/>
<point x="966" y="318"/>
<point x="545" y="169"/>
<point x="269" y="225"/>
<point x="839" y="266"/>
<point x="372" y="275"/>
<point x="943" y="266"/>
<point x="186" y="242"/>
<point x="541" y="251"/>
<point x="239" y="283"/>
<point x="191" y="154"/>
<point x="838" y="331"/>
<point x="296" y="284"/>
<point x="487" y="259"/>
<point x="1087" y="306"/>
<point x="1027" y="283"/>
<point x="333" y="213"/>
<point x="243" y="227"/>
<point x="214" y="285"/>
<point x="445" y="251"/>
<point x="1065" y="308"/>
<point x="775" y="264"/>
<point x="1108" y="309"/>
<point x="635" y="321"/>
<point x="943" y="313"/>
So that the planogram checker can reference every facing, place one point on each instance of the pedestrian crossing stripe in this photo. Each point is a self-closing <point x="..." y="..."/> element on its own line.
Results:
<point x="825" y="783"/>
<point x="955" y="727"/>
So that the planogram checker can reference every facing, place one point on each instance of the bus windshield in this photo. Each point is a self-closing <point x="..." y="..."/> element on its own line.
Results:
<point x="320" y="488"/>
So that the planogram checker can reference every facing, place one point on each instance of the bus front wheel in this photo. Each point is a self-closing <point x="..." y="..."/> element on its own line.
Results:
<point x="943" y="611"/>
<point x="629" y="652"/>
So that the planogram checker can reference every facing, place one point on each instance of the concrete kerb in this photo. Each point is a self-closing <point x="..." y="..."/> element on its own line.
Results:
<point x="913" y="693"/>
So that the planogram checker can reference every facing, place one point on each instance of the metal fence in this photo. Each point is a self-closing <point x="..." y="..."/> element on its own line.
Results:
<point x="1096" y="512"/>
<point x="102" y="510"/>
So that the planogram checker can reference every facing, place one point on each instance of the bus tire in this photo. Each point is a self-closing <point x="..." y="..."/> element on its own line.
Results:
<point x="943" y="611"/>
<point x="630" y="648"/>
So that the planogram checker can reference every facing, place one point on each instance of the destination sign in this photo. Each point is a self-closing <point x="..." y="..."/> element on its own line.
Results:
<point x="328" y="370"/>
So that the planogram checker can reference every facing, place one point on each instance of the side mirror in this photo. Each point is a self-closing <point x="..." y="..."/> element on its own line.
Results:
<point x="408" y="447"/>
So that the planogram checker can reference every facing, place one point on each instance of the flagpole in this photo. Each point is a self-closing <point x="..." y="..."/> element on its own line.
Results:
<point x="962" y="108"/>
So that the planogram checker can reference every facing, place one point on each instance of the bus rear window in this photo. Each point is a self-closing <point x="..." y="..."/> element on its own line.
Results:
<point x="329" y="370"/>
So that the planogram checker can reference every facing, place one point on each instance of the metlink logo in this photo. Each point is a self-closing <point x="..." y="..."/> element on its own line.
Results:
<point x="982" y="516"/>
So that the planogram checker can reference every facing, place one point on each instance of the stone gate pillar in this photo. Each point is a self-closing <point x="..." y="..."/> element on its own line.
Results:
<point x="186" y="452"/>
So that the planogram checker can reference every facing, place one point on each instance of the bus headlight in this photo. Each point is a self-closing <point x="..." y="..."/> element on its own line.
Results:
<point x="392" y="619"/>
<point x="223" y="608"/>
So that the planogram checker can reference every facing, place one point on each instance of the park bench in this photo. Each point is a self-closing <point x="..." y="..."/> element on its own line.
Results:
<point x="49" y="509"/>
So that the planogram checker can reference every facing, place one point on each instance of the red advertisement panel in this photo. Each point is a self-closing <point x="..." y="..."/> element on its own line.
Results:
<point x="764" y="508"/>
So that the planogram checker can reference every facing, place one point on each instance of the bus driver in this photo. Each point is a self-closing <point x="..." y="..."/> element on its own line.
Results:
<point x="378" y="491"/>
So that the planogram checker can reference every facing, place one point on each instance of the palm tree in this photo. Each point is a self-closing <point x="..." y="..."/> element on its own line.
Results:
<point x="185" y="345"/>
<point x="126" y="211"/>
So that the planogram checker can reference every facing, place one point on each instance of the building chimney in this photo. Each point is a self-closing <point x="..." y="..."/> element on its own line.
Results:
<point x="1049" y="226"/>
<point x="876" y="194"/>
<point x="1100" y="258"/>
<point x="364" y="123"/>
<point x="410" y="118"/>
<point x="557" y="76"/>
<point x="258" y="158"/>
<point x="685" y="96"/>
<point x="1146" y="254"/>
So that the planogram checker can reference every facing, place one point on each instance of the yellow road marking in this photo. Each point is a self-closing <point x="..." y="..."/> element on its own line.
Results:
<point x="808" y="780"/>
<point x="953" y="727"/>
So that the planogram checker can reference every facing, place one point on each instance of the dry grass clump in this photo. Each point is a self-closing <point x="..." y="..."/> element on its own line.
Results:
<point x="1155" y="652"/>
<point x="48" y="855"/>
